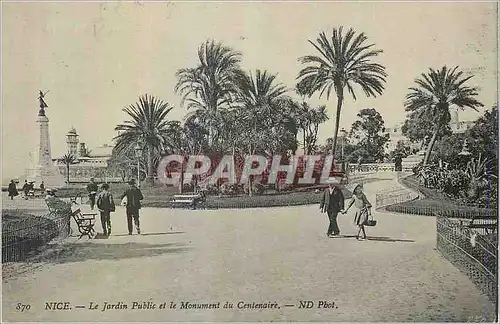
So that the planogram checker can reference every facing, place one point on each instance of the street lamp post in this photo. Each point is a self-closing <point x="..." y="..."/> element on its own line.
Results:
<point x="138" y="154"/>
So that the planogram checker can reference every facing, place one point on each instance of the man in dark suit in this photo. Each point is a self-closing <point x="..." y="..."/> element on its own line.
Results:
<point x="332" y="203"/>
<point x="134" y="197"/>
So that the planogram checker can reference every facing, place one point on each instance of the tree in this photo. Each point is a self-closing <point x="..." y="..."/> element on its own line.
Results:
<point x="149" y="126"/>
<point x="309" y="120"/>
<point x="211" y="85"/>
<point x="416" y="127"/>
<point x="68" y="159"/>
<point x="483" y="135"/>
<point x="369" y="131"/>
<point x="436" y="92"/>
<point x="343" y="61"/>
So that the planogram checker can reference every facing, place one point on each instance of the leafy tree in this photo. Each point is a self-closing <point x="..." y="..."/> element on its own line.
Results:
<point x="341" y="62"/>
<point x="402" y="149"/>
<point x="483" y="135"/>
<point x="436" y="92"/>
<point x="212" y="85"/>
<point x="369" y="132"/>
<point x="149" y="126"/>
<point x="416" y="127"/>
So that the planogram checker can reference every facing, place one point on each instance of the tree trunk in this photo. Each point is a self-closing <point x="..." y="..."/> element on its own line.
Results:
<point x="181" y="182"/>
<point x="340" y="98"/>
<point x="431" y="145"/>
<point x="150" y="175"/>
<point x="67" y="174"/>
<point x="250" y="185"/>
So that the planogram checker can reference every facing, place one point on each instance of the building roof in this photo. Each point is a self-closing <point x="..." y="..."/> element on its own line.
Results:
<point x="72" y="131"/>
<point x="101" y="151"/>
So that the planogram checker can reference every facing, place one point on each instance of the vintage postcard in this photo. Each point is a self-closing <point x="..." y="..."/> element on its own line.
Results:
<point x="242" y="161"/>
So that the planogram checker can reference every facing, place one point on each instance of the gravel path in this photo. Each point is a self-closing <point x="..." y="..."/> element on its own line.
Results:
<point x="278" y="255"/>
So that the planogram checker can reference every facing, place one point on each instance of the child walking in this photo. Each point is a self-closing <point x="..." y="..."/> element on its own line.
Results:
<point x="362" y="205"/>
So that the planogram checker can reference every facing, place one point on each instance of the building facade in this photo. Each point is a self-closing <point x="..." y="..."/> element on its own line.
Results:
<point x="90" y="163"/>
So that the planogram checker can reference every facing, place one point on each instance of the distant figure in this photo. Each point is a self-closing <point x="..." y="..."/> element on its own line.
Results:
<point x="360" y="159"/>
<point x="106" y="205"/>
<point x="332" y="203"/>
<point x="42" y="187"/>
<point x="362" y="205"/>
<point x="134" y="197"/>
<point x="26" y="189"/>
<point x="398" y="163"/>
<point x="12" y="190"/>
<point x="92" y="190"/>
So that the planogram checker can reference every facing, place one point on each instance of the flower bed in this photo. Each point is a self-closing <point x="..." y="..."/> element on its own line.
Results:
<point x="271" y="200"/>
<point x="436" y="203"/>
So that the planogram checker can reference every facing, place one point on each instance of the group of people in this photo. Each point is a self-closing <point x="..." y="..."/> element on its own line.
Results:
<point x="104" y="202"/>
<point x="332" y="203"/>
<point x="28" y="189"/>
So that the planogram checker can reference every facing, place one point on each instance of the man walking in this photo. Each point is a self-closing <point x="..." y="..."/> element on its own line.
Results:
<point x="92" y="190"/>
<point x="134" y="197"/>
<point x="332" y="203"/>
<point x="106" y="205"/>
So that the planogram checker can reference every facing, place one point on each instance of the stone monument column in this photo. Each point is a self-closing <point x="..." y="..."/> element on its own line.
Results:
<point x="43" y="169"/>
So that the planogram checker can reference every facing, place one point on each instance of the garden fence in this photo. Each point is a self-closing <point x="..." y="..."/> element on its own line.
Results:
<point x="24" y="235"/>
<point x="473" y="253"/>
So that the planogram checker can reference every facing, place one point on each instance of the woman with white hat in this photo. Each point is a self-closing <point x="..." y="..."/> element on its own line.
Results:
<point x="362" y="205"/>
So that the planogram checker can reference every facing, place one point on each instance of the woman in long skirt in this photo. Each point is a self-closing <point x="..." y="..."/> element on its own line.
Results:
<point x="362" y="205"/>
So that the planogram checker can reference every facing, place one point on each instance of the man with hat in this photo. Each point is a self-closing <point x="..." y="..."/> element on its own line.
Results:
<point x="332" y="203"/>
<point x="92" y="190"/>
<point x="134" y="197"/>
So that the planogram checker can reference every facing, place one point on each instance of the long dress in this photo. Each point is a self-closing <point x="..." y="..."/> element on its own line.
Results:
<point x="361" y="215"/>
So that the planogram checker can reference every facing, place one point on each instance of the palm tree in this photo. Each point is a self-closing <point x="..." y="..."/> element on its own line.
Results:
<point x="262" y="100"/>
<point x="343" y="61"/>
<point x="437" y="92"/>
<point x="149" y="126"/>
<point x="68" y="159"/>
<point x="211" y="85"/>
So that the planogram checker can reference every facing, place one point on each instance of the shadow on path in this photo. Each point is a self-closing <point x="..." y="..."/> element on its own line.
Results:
<point x="375" y="238"/>
<point x="387" y="239"/>
<point x="147" y="234"/>
<point x="102" y="251"/>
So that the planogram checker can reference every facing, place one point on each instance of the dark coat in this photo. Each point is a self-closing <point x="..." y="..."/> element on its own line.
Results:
<point x="134" y="197"/>
<point x="12" y="189"/>
<point x="337" y="199"/>
<point x="105" y="201"/>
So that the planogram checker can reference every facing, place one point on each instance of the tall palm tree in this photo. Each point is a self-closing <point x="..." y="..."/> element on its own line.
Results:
<point x="211" y="85"/>
<point x="343" y="61"/>
<point x="262" y="97"/>
<point x="436" y="92"/>
<point x="148" y="125"/>
<point x="68" y="159"/>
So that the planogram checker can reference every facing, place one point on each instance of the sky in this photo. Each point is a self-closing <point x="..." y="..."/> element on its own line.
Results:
<point x="97" y="58"/>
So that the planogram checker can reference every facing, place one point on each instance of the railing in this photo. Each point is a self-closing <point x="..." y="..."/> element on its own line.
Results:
<point x="474" y="254"/>
<point x="379" y="167"/>
<point x="25" y="234"/>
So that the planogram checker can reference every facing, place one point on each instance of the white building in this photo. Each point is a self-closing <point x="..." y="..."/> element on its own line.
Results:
<point x="89" y="162"/>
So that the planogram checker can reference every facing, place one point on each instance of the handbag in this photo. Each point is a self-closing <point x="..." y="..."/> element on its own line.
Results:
<point x="370" y="221"/>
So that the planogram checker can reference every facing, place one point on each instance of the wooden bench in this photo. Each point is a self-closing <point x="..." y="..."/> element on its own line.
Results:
<point x="85" y="223"/>
<point x="487" y="223"/>
<point x="187" y="200"/>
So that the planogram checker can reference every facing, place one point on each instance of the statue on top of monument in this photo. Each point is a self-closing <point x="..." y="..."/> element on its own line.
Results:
<point x="43" y="104"/>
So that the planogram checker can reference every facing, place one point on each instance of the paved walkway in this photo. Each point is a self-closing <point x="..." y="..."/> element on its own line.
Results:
<point x="277" y="255"/>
